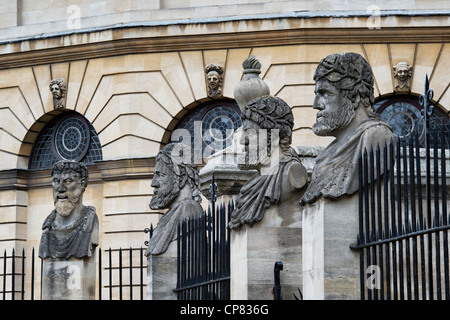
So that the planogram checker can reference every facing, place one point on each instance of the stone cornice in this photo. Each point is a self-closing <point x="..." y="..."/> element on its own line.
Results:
<point x="222" y="35"/>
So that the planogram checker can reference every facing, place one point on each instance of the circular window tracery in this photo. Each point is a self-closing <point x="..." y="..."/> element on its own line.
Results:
<point x="211" y="126"/>
<point x="404" y="115"/>
<point x="69" y="137"/>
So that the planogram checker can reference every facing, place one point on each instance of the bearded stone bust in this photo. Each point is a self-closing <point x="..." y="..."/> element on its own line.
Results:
<point x="71" y="229"/>
<point x="345" y="103"/>
<point x="176" y="188"/>
<point x="267" y="124"/>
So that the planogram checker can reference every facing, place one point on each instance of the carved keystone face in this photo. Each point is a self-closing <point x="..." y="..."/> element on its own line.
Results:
<point x="335" y="111"/>
<point x="213" y="80"/>
<point x="56" y="91"/>
<point x="402" y="73"/>
<point x="67" y="191"/>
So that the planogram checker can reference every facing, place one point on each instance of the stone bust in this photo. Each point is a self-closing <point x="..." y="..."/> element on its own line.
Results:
<point x="71" y="229"/>
<point x="58" y="90"/>
<point x="267" y="124"/>
<point x="176" y="188"/>
<point x="214" y="78"/>
<point x="344" y="100"/>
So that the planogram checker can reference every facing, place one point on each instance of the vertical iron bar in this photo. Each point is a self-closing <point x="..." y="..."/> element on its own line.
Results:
<point x="393" y="229"/>
<point x="386" y="219"/>
<point x="110" y="274"/>
<point x="413" y="216"/>
<point x="120" y="273"/>
<point x="179" y="257"/>
<point x="436" y="214"/>
<point x="141" y="270"/>
<point x="4" y="275"/>
<point x="372" y="213"/>
<point x="131" y="273"/>
<point x="99" y="273"/>
<point x="361" y="229"/>
<point x="23" y="274"/>
<point x="367" y="213"/>
<point x="13" y="274"/>
<point x="406" y="220"/>
<point x="444" y="214"/>
<point x="400" y="220"/>
<point x="32" y="274"/>
<point x="421" y="216"/>
<point x="379" y="223"/>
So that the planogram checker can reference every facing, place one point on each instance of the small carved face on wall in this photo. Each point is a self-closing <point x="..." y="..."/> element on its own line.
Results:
<point x="165" y="186"/>
<point x="214" y="79"/>
<point x="58" y="90"/>
<point x="68" y="188"/>
<point x="403" y="73"/>
<point x="335" y="111"/>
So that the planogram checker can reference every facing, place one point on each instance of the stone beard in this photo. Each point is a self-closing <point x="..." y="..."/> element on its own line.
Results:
<point x="71" y="229"/>
<point x="344" y="100"/>
<point x="175" y="187"/>
<point x="267" y="124"/>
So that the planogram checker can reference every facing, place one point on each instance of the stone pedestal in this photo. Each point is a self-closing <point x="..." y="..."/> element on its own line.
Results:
<point x="330" y="268"/>
<point x="255" y="250"/>
<point x="162" y="274"/>
<point x="72" y="279"/>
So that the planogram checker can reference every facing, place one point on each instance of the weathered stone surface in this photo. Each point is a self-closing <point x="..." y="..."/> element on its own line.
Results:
<point x="176" y="187"/>
<point x="251" y="86"/>
<point x="330" y="267"/>
<point x="344" y="100"/>
<point x="69" y="238"/>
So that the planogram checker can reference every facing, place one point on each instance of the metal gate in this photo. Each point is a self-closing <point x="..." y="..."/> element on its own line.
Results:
<point x="403" y="216"/>
<point x="203" y="249"/>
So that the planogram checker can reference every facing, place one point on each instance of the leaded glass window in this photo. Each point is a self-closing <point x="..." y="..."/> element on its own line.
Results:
<point x="211" y="126"/>
<point x="404" y="115"/>
<point x="69" y="136"/>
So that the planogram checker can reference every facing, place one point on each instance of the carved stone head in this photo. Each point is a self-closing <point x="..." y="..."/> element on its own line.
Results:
<point x="69" y="181"/>
<point x="174" y="170"/>
<point x="267" y="124"/>
<point x="58" y="89"/>
<point x="344" y="83"/>
<point x="402" y="74"/>
<point x="214" y="77"/>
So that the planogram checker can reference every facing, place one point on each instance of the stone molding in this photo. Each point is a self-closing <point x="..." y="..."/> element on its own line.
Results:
<point x="135" y="39"/>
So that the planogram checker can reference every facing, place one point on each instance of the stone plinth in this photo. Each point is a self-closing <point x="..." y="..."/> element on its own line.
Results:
<point x="71" y="279"/>
<point x="162" y="274"/>
<point x="255" y="249"/>
<point x="330" y="268"/>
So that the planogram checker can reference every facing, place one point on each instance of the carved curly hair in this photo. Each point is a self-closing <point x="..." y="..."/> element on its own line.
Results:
<point x="350" y="73"/>
<point x="178" y="157"/>
<point x="71" y="166"/>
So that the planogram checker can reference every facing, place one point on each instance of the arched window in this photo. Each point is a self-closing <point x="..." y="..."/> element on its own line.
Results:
<point x="68" y="136"/>
<point x="210" y="127"/>
<point x="404" y="115"/>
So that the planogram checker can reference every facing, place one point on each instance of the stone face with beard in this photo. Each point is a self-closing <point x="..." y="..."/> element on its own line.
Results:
<point x="175" y="187"/>
<point x="71" y="230"/>
<point x="165" y="187"/>
<point x="344" y="100"/>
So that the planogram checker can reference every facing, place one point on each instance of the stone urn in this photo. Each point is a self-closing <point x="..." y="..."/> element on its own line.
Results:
<point x="251" y="86"/>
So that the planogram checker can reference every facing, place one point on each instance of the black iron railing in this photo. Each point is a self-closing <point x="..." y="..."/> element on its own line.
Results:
<point x="404" y="218"/>
<point x="203" y="248"/>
